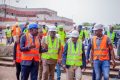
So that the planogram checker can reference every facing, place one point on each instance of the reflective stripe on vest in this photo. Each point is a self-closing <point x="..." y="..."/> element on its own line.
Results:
<point x="52" y="48"/>
<point x="18" y="54"/>
<point x="111" y="36"/>
<point x="100" y="52"/>
<point x="74" y="56"/>
<point x="34" y="52"/>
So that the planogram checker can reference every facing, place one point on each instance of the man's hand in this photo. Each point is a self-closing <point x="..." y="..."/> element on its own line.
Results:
<point x="31" y="46"/>
<point x="113" y="64"/>
<point x="59" y="61"/>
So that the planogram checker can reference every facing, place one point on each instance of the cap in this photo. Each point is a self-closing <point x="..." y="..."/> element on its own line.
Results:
<point x="98" y="26"/>
<point x="33" y="26"/>
<point x="52" y="28"/>
<point x="75" y="33"/>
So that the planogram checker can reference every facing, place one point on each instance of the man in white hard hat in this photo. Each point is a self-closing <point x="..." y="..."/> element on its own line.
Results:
<point x="101" y="47"/>
<point x="74" y="57"/>
<point x="52" y="45"/>
<point x="8" y="34"/>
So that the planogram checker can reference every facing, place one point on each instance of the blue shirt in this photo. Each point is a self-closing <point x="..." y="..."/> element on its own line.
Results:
<point x="64" y="56"/>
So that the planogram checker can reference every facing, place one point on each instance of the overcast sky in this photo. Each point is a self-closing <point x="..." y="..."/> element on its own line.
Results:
<point x="99" y="11"/>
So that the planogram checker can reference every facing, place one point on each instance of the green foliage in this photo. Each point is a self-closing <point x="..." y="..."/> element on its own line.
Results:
<point x="116" y="27"/>
<point x="87" y="24"/>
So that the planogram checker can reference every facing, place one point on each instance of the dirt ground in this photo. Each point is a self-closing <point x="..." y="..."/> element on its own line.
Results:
<point x="8" y="73"/>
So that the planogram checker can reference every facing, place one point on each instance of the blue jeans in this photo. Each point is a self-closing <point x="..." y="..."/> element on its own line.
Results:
<point x="101" y="67"/>
<point x="29" y="69"/>
<point x="93" y="75"/>
<point x="58" y="71"/>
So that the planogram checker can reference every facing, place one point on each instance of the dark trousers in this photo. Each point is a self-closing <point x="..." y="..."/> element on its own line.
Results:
<point x="18" y="70"/>
<point x="30" y="69"/>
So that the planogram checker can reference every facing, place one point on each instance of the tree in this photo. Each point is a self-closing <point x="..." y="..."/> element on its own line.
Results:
<point x="86" y="24"/>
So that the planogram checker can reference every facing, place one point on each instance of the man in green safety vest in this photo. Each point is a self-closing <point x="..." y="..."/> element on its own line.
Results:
<point x="62" y="34"/>
<point x="73" y="58"/>
<point x="81" y="33"/>
<point x="8" y="34"/>
<point x="87" y="35"/>
<point x="112" y="35"/>
<point x="52" y="45"/>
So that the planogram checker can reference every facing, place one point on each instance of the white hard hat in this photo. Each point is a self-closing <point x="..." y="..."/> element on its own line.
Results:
<point x="75" y="33"/>
<point x="98" y="26"/>
<point x="7" y="25"/>
<point x="52" y="28"/>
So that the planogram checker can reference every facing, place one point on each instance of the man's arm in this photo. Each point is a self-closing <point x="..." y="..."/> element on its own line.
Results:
<point x="41" y="49"/>
<point x="22" y="44"/>
<point x="88" y="50"/>
<point x="64" y="55"/>
<point x="109" y="43"/>
<point x="60" y="52"/>
<point x="83" y="57"/>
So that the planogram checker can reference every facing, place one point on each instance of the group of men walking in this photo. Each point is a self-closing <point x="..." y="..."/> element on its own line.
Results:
<point x="40" y="50"/>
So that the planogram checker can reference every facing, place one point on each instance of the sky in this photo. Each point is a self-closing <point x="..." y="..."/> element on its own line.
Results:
<point x="99" y="11"/>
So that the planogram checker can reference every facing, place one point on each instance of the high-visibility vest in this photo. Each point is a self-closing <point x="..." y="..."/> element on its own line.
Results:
<point x="86" y="34"/>
<point x="111" y="36"/>
<point x="34" y="52"/>
<point x="18" y="53"/>
<point x="8" y="32"/>
<point x="44" y="32"/>
<point x="53" y="48"/>
<point x="16" y="31"/>
<point x="74" y="56"/>
<point x="62" y="37"/>
<point x="100" y="52"/>
<point x="81" y="34"/>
